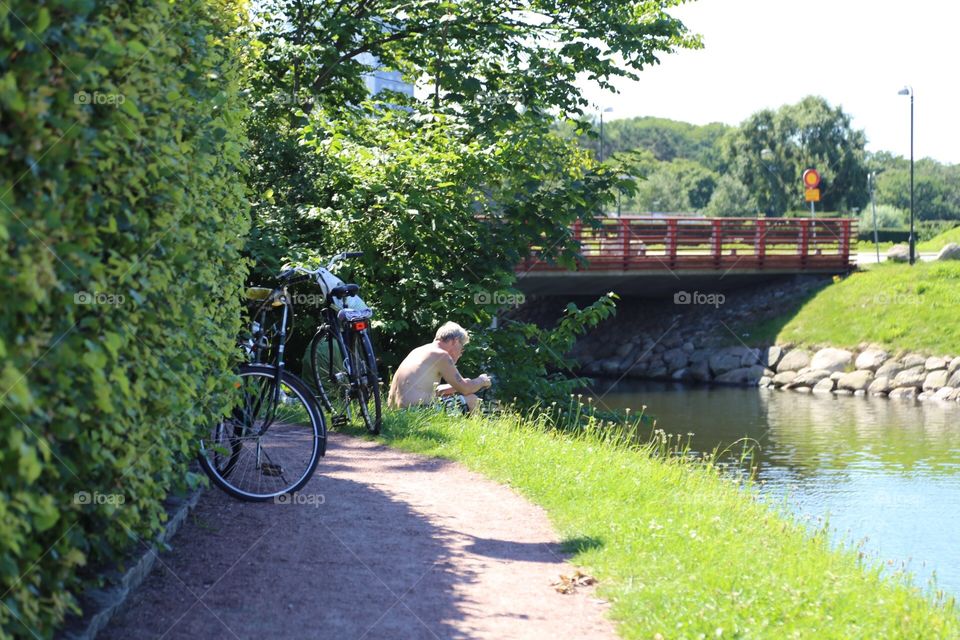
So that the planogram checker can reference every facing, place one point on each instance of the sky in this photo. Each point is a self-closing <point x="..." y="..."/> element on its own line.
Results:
<point x="855" y="53"/>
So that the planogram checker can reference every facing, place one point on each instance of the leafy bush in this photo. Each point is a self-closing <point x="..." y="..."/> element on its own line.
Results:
<point x="122" y="218"/>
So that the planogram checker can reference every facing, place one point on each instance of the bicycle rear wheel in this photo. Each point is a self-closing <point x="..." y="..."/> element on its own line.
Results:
<point x="368" y="387"/>
<point x="271" y="442"/>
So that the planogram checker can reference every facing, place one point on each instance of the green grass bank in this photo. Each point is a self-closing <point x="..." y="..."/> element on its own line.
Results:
<point x="680" y="551"/>
<point x="894" y="305"/>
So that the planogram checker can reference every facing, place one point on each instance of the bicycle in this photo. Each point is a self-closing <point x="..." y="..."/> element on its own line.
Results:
<point x="341" y="356"/>
<point x="271" y="442"/>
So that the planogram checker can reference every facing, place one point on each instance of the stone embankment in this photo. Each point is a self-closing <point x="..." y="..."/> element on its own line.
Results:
<point x="868" y="370"/>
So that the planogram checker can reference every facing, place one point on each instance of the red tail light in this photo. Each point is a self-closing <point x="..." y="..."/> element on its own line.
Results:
<point x="360" y="326"/>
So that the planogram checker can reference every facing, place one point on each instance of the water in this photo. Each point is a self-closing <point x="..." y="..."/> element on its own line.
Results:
<point x="880" y="470"/>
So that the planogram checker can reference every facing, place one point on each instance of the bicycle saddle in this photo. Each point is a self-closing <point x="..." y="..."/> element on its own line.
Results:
<point x="352" y="315"/>
<point x="344" y="290"/>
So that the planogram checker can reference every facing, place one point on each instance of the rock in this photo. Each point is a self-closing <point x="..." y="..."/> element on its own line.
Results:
<point x="824" y="386"/>
<point x="898" y="253"/>
<point x="802" y="389"/>
<point x="913" y="377"/>
<point x="810" y="377"/>
<point x="610" y="367"/>
<point x="743" y="375"/>
<point x="766" y="381"/>
<point x="857" y="380"/>
<point x="933" y="363"/>
<point x="860" y="393"/>
<point x="925" y="395"/>
<point x="772" y="357"/>
<point x="700" y="355"/>
<point x="890" y="368"/>
<point x="954" y="380"/>
<point x="871" y="359"/>
<point x="680" y="375"/>
<point x="675" y="358"/>
<point x="881" y="385"/>
<point x="624" y="349"/>
<point x="950" y="252"/>
<point x="831" y="359"/>
<point x="688" y="347"/>
<point x="913" y="360"/>
<point x="953" y="366"/>
<point x="699" y="371"/>
<point x="836" y="375"/>
<point x="842" y="392"/>
<point x="727" y="359"/>
<point x="794" y="360"/>
<point x="751" y="357"/>
<point x="944" y="394"/>
<point x="658" y="372"/>
<point x="784" y="377"/>
<point x="935" y="380"/>
<point x="909" y="393"/>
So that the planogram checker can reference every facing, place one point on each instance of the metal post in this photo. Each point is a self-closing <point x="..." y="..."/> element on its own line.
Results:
<point x="872" y="179"/>
<point x="913" y="237"/>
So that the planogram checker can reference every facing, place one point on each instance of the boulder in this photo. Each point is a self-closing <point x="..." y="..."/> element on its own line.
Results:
<point x="953" y="366"/>
<point x="909" y="393"/>
<point x="699" y="371"/>
<point x="954" y="380"/>
<point x="727" y="359"/>
<point x="935" y="380"/>
<point x="913" y="377"/>
<point x="881" y="385"/>
<point x="784" y="377"/>
<point x="772" y="357"/>
<point x="857" y="380"/>
<point x="944" y="394"/>
<point x="675" y="358"/>
<point x="842" y="392"/>
<point x="831" y="359"/>
<point x="890" y="368"/>
<point x="913" y="360"/>
<point x="925" y="395"/>
<point x="743" y="375"/>
<point x="700" y="355"/>
<point x="860" y="393"/>
<point x="751" y="357"/>
<point x="766" y="382"/>
<point x="610" y="367"/>
<point x="824" y="386"/>
<point x="803" y="390"/>
<point x="688" y="347"/>
<point x="898" y="253"/>
<point x="810" y="377"/>
<point x="950" y="252"/>
<point x="659" y="371"/>
<point x="794" y="360"/>
<point x="836" y="375"/>
<point x="681" y="375"/>
<point x="871" y="359"/>
<point x="934" y="363"/>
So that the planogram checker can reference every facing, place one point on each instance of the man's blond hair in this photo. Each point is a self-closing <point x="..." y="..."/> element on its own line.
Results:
<point x="452" y="331"/>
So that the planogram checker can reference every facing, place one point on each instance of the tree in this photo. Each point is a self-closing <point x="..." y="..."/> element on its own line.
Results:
<point x="677" y="186"/>
<point x="769" y="152"/>
<point x="731" y="198"/>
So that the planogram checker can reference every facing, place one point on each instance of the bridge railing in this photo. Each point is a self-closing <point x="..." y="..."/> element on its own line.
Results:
<point x="644" y="243"/>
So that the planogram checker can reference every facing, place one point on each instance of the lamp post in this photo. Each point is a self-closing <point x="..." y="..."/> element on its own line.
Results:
<point x="908" y="91"/>
<point x="607" y="110"/>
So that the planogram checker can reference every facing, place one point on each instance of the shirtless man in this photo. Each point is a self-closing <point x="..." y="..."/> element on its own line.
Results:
<point x="420" y="371"/>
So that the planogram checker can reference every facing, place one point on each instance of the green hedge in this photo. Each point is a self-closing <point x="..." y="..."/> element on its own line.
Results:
<point x="122" y="213"/>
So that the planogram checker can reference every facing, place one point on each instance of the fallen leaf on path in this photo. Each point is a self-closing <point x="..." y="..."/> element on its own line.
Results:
<point x="569" y="584"/>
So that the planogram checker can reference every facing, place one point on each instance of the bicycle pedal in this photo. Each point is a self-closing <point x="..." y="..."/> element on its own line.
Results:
<point x="339" y="421"/>
<point x="269" y="469"/>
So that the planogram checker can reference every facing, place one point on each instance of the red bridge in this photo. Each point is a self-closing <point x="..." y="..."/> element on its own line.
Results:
<point x="645" y="254"/>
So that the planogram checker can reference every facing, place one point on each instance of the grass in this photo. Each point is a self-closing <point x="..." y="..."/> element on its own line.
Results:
<point x="894" y="305"/>
<point x="940" y="241"/>
<point x="680" y="550"/>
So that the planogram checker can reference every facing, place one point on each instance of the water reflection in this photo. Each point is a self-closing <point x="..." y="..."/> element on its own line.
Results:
<point x="887" y="471"/>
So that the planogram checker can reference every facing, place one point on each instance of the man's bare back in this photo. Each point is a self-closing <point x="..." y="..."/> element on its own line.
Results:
<point x="420" y="372"/>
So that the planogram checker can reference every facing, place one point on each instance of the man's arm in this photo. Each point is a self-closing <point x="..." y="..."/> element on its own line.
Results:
<point x="466" y="386"/>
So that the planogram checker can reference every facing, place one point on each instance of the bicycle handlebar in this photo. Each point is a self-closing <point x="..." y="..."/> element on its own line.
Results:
<point x="287" y="273"/>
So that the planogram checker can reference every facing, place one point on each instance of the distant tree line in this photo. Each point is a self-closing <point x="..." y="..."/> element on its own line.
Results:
<point x="719" y="170"/>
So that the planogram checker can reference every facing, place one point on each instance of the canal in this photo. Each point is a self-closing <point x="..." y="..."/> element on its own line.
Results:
<point x="882" y="473"/>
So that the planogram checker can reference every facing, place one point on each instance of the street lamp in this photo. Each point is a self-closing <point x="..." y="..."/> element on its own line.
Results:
<point x="908" y="91"/>
<point x="607" y="110"/>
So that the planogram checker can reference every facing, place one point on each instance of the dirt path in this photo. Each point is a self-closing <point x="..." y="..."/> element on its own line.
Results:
<point x="401" y="547"/>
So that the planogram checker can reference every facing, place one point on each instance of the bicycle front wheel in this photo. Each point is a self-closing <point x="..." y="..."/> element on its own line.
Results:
<point x="271" y="442"/>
